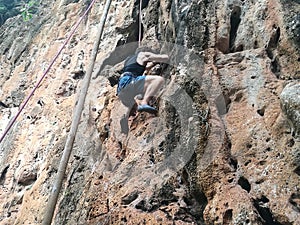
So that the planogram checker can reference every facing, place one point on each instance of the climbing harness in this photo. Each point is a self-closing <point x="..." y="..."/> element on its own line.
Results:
<point x="11" y="123"/>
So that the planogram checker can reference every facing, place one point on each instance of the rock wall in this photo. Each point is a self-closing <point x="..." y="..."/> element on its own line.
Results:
<point x="223" y="149"/>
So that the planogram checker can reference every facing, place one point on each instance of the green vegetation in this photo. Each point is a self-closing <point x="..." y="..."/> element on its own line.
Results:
<point x="10" y="8"/>
<point x="28" y="9"/>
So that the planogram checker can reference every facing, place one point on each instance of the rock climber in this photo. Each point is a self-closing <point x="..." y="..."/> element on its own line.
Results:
<point x="134" y="86"/>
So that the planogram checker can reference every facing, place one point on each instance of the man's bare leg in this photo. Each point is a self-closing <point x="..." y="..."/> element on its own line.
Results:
<point x="153" y="84"/>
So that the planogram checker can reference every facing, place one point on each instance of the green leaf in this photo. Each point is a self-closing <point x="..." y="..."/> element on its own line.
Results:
<point x="23" y="15"/>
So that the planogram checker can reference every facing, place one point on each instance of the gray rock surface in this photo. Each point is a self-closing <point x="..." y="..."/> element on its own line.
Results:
<point x="290" y="104"/>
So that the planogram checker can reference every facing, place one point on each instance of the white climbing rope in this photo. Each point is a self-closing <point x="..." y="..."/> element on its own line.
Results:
<point x="50" y="208"/>
<point x="140" y="23"/>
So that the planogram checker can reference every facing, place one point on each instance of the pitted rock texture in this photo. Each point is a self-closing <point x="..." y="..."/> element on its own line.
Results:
<point x="223" y="148"/>
<point x="290" y="104"/>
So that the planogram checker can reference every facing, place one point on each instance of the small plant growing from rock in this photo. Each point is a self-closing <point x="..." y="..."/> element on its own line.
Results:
<point x="27" y="9"/>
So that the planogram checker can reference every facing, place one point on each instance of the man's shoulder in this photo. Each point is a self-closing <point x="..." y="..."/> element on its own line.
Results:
<point x="130" y="57"/>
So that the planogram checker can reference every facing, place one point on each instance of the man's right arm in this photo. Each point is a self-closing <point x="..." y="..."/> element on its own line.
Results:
<point x="145" y="57"/>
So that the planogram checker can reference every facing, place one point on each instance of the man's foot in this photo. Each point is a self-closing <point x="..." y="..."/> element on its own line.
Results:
<point x="146" y="108"/>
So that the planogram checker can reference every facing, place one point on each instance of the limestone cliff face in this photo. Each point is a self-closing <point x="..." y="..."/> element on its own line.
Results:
<point x="223" y="149"/>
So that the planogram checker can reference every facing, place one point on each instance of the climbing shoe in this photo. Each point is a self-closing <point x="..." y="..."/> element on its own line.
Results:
<point x="146" y="108"/>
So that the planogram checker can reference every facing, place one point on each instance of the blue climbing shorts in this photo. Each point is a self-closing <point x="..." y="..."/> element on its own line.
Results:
<point x="130" y="86"/>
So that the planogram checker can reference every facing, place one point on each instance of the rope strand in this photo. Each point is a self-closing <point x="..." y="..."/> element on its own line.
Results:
<point x="140" y="23"/>
<point x="75" y="123"/>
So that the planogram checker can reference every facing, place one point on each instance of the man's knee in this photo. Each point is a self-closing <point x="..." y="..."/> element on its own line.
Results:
<point x="160" y="80"/>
